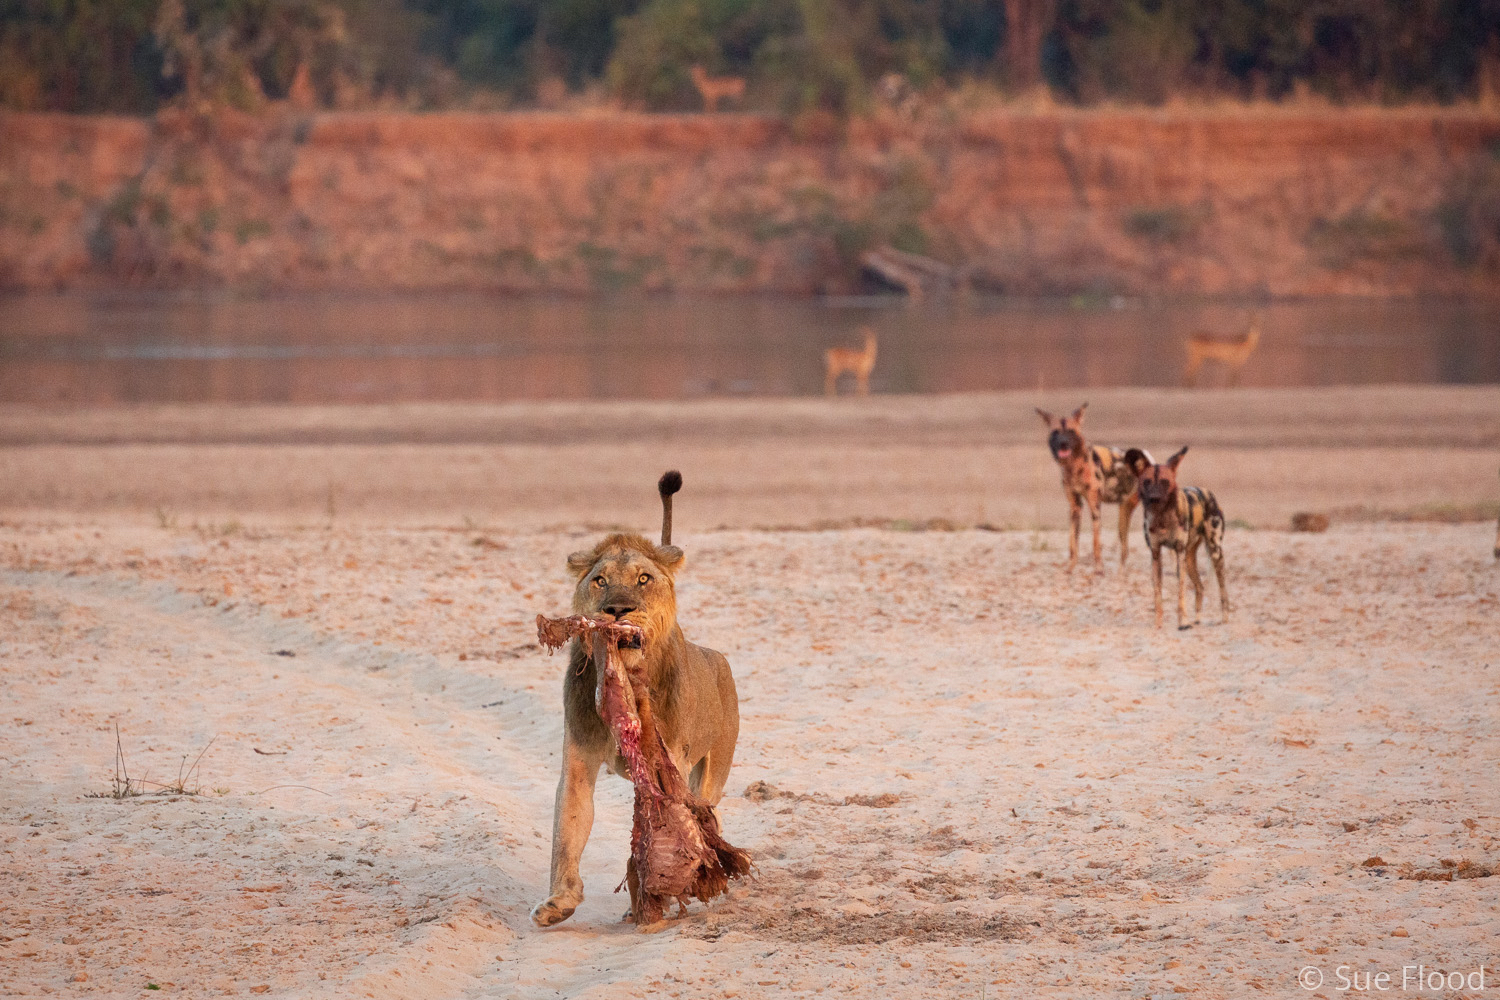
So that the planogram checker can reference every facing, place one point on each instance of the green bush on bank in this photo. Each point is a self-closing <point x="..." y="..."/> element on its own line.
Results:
<point x="130" y="56"/>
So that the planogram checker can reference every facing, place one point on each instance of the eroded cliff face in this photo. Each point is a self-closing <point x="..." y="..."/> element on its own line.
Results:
<point x="1252" y="202"/>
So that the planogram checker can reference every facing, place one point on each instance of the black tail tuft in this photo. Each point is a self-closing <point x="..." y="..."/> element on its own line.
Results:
<point x="669" y="483"/>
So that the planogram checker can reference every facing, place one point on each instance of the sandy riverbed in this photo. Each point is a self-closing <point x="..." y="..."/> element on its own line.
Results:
<point x="969" y="773"/>
<point x="966" y="459"/>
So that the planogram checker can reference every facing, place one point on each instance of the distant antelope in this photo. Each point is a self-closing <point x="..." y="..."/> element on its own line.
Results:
<point x="715" y="88"/>
<point x="301" y="93"/>
<point x="1231" y="352"/>
<point x="847" y="359"/>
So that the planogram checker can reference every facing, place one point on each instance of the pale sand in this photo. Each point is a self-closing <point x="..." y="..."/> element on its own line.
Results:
<point x="968" y="459"/>
<point x="1049" y="796"/>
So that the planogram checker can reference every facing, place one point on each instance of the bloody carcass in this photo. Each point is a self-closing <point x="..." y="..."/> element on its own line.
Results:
<point x="676" y="849"/>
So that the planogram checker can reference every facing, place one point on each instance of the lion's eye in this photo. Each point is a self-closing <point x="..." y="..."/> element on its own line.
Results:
<point x="645" y="579"/>
<point x="598" y="581"/>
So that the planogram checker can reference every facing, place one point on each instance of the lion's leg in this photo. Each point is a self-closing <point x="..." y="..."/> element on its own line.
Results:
<point x="572" y="820"/>
<point x="695" y="776"/>
<point x="716" y="774"/>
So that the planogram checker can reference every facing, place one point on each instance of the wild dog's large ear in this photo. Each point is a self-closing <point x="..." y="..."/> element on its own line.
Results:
<point x="580" y="563"/>
<point x="1078" y="414"/>
<point x="1176" y="460"/>
<point x="1046" y="417"/>
<point x="1137" y="461"/>
<point x="670" y="557"/>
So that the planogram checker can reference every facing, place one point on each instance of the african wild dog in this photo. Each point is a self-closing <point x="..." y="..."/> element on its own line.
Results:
<point x="1179" y="518"/>
<point x="1091" y="475"/>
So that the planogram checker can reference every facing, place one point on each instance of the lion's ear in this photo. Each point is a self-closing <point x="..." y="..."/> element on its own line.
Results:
<point x="580" y="563"/>
<point x="670" y="557"/>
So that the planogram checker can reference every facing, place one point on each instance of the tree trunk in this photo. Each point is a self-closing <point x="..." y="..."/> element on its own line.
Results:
<point x="1026" y="24"/>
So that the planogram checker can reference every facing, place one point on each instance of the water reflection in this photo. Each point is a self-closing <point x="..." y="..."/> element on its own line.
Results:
<point x="111" y="349"/>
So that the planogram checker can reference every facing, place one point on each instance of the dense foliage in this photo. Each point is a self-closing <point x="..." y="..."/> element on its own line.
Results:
<point x="133" y="55"/>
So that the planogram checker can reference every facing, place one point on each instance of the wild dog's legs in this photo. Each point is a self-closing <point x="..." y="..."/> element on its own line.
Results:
<point x="1127" y="510"/>
<point x="1156" y="579"/>
<point x="572" y="819"/>
<point x="1181" y="592"/>
<point x="861" y="383"/>
<point x="1213" y="539"/>
<point x="1095" y="515"/>
<point x="831" y="382"/>
<point x="1192" y="568"/>
<point x="1075" y="519"/>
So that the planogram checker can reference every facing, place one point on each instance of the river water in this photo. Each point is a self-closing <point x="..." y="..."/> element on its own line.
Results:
<point x="147" y="348"/>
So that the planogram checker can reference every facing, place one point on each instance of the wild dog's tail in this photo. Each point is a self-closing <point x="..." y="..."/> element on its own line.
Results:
<point x="669" y="483"/>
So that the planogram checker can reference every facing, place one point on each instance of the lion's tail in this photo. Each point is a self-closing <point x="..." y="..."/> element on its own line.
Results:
<point x="669" y="483"/>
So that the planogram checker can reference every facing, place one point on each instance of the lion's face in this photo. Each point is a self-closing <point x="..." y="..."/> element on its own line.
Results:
<point x="627" y="578"/>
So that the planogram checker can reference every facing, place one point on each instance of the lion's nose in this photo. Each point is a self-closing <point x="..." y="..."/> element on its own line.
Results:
<point x="619" y="610"/>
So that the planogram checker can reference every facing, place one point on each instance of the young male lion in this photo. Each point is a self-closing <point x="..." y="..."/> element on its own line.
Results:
<point x="627" y="578"/>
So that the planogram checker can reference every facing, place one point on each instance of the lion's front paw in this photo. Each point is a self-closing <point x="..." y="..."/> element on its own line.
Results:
<point x="551" y="911"/>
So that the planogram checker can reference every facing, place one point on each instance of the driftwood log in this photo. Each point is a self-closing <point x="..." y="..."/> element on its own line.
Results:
<point x="912" y="273"/>
<point x="676" y="849"/>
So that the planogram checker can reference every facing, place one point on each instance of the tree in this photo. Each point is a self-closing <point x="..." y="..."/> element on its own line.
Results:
<point x="1027" y="23"/>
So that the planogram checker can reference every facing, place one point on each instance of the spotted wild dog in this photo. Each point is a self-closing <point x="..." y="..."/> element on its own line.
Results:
<point x="1090" y="475"/>
<point x="1179" y="518"/>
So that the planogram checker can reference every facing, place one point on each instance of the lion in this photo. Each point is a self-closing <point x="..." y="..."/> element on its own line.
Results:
<point x="627" y="578"/>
